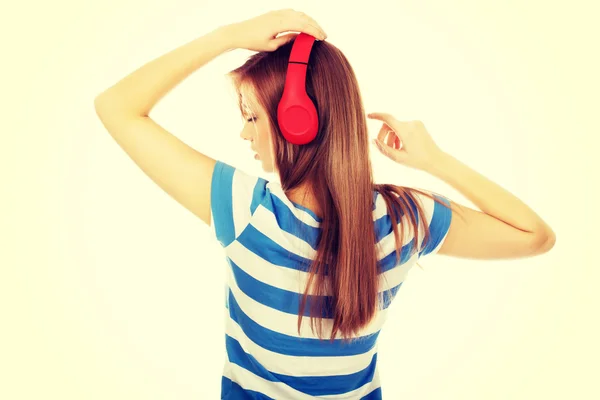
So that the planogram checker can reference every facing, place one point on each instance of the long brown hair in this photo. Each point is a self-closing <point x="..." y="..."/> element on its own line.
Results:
<point x="338" y="168"/>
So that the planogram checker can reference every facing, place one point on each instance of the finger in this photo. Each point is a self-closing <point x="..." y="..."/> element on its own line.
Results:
<point x="385" y="117"/>
<point x="281" y="40"/>
<point x="314" y="23"/>
<point x="399" y="156"/>
<point x="385" y="150"/>
<point x="390" y="138"/>
<point x="383" y="132"/>
<point x="310" y="29"/>
<point x="379" y="144"/>
<point x="310" y="26"/>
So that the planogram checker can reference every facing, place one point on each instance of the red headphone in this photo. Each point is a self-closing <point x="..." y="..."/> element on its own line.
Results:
<point x="296" y="114"/>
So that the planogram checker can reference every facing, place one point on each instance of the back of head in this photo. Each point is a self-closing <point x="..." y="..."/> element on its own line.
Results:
<point x="337" y="168"/>
<point x="341" y="143"/>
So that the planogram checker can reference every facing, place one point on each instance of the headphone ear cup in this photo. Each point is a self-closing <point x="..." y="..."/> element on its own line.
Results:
<point x="297" y="118"/>
<point x="296" y="114"/>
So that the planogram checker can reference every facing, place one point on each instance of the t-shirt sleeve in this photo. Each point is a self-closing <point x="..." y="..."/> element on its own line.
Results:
<point x="234" y="196"/>
<point x="437" y="217"/>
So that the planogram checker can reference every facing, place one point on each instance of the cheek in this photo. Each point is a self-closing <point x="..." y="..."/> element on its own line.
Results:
<point x="265" y="140"/>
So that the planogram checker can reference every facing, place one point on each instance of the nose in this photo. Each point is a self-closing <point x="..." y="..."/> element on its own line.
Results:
<point x="246" y="133"/>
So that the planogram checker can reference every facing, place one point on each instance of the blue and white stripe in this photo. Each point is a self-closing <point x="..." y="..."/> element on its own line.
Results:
<point x="268" y="259"/>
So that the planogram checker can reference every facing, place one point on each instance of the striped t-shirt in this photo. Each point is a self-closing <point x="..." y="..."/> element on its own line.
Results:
<point x="267" y="260"/>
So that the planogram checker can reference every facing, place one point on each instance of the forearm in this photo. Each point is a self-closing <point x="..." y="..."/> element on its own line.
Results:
<point x="488" y="196"/>
<point x="137" y="93"/>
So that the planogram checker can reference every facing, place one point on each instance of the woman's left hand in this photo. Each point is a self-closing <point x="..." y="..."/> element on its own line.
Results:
<point x="259" y="33"/>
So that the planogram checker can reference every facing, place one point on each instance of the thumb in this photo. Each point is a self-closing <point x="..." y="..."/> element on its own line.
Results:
<point x="281" y="40"/>
<point x="390" y="152"/>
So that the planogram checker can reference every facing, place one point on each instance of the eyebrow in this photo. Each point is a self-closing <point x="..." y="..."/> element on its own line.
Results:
<point x="245" y="108"/>
<point x="247" y="105"/>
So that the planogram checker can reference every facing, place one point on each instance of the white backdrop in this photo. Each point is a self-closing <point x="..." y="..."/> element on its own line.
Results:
<point x="112" y="290"/>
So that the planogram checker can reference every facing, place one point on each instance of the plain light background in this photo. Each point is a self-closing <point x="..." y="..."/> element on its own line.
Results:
<point x="109" y="289"/>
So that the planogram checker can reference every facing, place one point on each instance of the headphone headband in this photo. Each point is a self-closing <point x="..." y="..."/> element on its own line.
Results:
<point x="301" y="48"/>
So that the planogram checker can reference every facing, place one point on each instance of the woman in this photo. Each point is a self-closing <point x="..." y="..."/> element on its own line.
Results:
<point x="320" y="252"/>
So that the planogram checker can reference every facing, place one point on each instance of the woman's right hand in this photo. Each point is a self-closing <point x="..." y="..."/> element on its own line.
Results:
<point x="407" y="143"/>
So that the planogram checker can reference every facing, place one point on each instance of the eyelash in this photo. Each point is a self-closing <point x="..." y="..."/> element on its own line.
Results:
<point x="251" y="119"/>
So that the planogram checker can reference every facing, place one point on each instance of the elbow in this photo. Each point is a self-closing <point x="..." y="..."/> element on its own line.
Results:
<point x="106" y="100"/>
<point x="100" y="102"/>
<point x="109" y="104"/>
<point x="547" y="242"/>
<point x="99" y="105"/>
